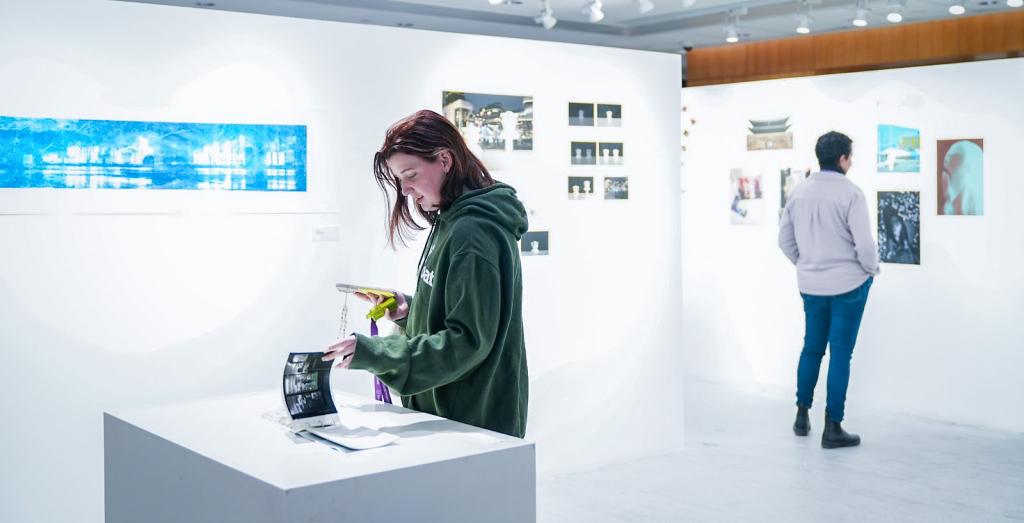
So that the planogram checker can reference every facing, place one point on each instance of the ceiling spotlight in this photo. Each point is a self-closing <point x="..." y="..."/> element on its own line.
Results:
<point x="895" y="10"/>
<point x="644" y="6"/>
<point x="592" y="8"/>
<point x="861" y="19"/>
<point x="546" y="17"/>
<point x="956" y="8"/>
<point x="689" y="3"/>
<point x="1014" y="3"/>
<point x="732" y="18"/>
<point x="731" y="36"/>
<point x="495" y="2"/>
<point x="805" y="25"/>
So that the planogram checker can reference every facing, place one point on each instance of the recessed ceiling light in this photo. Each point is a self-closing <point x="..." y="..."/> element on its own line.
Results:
<point x="1014" y="3"/>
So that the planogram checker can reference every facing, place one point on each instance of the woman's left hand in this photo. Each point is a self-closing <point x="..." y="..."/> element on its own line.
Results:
<point x="343" y="351"/>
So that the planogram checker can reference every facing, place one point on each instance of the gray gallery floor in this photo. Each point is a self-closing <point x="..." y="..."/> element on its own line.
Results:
<point x="742" y="463"/>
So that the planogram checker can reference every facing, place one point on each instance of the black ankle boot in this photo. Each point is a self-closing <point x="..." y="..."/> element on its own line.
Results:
<point x="835" y="437"/>
<point x="802" y="425"/>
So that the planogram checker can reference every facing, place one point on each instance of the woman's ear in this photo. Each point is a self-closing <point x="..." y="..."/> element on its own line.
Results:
<point x="446" y="160"/>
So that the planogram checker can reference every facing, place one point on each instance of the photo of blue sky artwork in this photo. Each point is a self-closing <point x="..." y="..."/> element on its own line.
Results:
<point x="899" y="149"/>
<point x="113" y="154"/>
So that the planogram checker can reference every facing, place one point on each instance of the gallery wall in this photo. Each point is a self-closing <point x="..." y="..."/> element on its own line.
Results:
<point x="940" y="339"/>
<point x="115" y="298"/>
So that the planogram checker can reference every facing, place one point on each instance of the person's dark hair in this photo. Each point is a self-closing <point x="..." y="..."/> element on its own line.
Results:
<point x="425" y="134"/>
<point x="832" y="146"/>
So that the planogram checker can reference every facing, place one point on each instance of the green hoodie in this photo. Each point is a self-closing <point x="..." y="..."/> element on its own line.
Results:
<point x="463" y="356"/>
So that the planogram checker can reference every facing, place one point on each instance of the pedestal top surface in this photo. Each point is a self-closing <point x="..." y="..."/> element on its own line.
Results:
<point x="245" y="432"/>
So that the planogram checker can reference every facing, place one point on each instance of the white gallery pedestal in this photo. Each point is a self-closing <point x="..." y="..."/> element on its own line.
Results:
<point x="228" y="459"/>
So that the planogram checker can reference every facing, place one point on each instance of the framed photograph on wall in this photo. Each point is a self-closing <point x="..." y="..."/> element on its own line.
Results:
<point x="492" y="122"/>
<point x="766" y="135"/>
<point x="616" y="188"/>
<point x="608" y="115"/>
<point x="960" y="177"/>
<point x="581" y="187"/>
<point x="611" y="153"/>
<point x="899" y="149"/>
<point x="535" y="243"/>
<point x="581" y="114"/>
<point x="583" y="153"/>
<point x="899" y="227"/>
<point x="747" y="205"/>
<point x="151" y="155"/>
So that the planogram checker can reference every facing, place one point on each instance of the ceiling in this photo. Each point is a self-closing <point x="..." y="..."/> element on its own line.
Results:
<point x="667" y="28"/>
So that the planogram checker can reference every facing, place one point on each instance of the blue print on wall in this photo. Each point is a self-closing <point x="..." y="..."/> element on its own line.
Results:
<point x="110" y="154"/>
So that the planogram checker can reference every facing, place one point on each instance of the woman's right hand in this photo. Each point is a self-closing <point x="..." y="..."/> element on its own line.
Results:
<point x="400" y="312"/>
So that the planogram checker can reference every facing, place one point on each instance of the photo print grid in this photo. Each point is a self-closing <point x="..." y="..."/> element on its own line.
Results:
<point x="581" y="187"/>
<point x="899" y="227"/>
<point x="492" y="122"/>
<point x="535" y="243"/>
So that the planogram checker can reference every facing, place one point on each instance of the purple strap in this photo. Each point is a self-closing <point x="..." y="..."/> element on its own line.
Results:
<point x="380" y="390"/>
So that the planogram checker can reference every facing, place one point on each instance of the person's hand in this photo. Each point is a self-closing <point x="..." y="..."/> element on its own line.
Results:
<point x="343" y="351"/>
<point x="400" y="312"/>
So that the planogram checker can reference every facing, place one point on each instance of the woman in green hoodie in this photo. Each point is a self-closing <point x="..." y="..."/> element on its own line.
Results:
<point x="461" y="355"/>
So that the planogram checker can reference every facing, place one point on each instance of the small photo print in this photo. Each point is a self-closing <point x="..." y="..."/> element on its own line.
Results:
<point x="899" y="227"/>
<point x="583" y="153"/>
<point x="611" y="153"/>
<point x="899" y="149"/>
<point x="581" y="114"/>
<point x="609" y="115"/>
<point x="535" y="243"/>
<point x="961" y="169"/>
<point x="581" y="187"/>
<point x="766" y="135"/>
<point x="788" y="180"/>
<point x="616" y="188"/>
<point x="747" y="198"/>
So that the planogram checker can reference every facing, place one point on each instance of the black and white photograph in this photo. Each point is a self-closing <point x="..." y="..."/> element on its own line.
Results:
<point x="899" y="227"/>
<point x="535" y="243"/>
<point x="581" y="187"/>
<point x="301" y="363"/>
<point x="307" y="385"/>
<point x="609" y="115"/>
<point x="494" y="122"/>
<point x="611" y="153"/>
<point x="581" y="114"/>
<point x="307" y="405"/>
<point x="583" y="153"/>
<point x="299" y="383"/>
<point x="616" y="188"/>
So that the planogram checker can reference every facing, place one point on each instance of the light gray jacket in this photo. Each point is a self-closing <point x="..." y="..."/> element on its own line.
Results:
<point x="826" y="232"/>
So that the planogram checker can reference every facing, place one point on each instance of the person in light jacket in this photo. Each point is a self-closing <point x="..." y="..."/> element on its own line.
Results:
<point x="826" y="232"/>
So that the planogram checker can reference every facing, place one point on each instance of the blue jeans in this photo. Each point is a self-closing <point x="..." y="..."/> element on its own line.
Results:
<point x="832" y="321"/>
